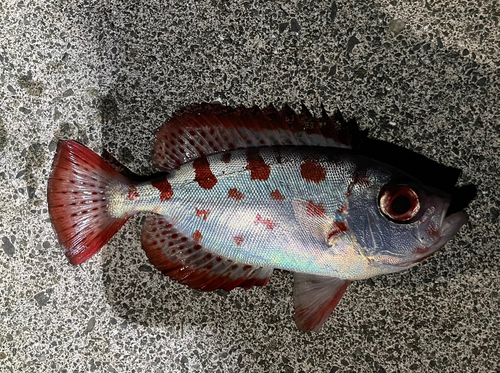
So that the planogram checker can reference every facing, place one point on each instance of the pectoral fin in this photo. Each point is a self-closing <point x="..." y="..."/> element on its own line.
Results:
<point x="312" y="219"/>
<point x="315" y="298"/>
<point x="315" y="222"/>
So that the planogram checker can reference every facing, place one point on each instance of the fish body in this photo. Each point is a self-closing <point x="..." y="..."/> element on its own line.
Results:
<point x="229" y="211"/>
<point x="258" y="206"/>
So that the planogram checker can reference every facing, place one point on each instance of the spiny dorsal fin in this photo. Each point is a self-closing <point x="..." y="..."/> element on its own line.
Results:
<point x="204" y="129"/>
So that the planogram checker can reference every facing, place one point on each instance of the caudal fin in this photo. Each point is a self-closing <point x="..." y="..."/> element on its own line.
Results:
<point x="77" y="200"/>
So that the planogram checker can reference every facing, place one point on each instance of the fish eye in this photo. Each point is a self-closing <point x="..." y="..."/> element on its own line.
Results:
<point x="399" y="203"/>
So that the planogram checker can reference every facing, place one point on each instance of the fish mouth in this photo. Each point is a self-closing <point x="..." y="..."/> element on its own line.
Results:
<point x="453" y="217"/>
<point x="450" y="225"/>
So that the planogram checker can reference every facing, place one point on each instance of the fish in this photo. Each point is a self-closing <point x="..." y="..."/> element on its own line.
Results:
<point x="245" y="191"/>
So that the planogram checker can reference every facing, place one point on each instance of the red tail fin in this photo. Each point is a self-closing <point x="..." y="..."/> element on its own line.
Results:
<point x="77" y="200"/>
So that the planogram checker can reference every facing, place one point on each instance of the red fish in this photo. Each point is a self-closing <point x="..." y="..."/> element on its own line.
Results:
<point x="251" y="190"/>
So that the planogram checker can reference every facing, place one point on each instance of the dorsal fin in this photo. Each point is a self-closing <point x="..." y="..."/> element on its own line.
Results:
<point x="204" y="129"/>
<point x="187" y="262"/>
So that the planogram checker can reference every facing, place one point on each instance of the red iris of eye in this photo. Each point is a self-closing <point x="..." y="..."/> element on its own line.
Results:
<point x="399" y="202"/>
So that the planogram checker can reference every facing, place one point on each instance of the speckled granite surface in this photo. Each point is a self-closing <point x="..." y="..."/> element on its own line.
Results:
<point x="423" y="74"/>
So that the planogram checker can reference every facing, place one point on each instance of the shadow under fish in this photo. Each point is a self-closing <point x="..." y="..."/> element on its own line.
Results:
<point x="245" y="191"/>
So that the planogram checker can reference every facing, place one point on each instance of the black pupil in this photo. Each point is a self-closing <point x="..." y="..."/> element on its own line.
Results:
<point x="401" y="205"/>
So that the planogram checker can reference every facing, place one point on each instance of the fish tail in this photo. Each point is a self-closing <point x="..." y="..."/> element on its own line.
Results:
<point x="78" y="200"/>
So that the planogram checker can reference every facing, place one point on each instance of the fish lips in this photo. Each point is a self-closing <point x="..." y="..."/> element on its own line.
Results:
<point x="449" y="227"/>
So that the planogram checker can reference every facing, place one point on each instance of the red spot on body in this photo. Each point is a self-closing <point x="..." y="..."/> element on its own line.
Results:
<point x="132" y="193"/>
<point x="332" y="235"/>
<point x="197" y="236"/>
<point x="315" y="209"/>
<point x="420" y="250"/>
<point x="341" y="226"/>
<point x="277" y="195"/>
<point x="433" y="232"/>
<point x="259" y="169"/>
<point x="342" y="209"/>
<point x="361" y="179"/>
<point x="246" y="267"/>
<point x="226" y="157"/>
<point x="337" y="229"/>
<point x="238" y="240"/>
<point x="267" y="222"/>
<point x="312" y="171"/>
<point x="165" y="189"/>
<point x="358" y="179"/>
<point x="202" y="213"/>
<point x="236" y="194"/>
<point x="203" y="174"/>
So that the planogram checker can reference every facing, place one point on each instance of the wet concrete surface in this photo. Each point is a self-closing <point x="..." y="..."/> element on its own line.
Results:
<point x="422" y="75"/>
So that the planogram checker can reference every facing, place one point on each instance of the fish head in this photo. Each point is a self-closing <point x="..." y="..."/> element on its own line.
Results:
<point x="396" y="222"/>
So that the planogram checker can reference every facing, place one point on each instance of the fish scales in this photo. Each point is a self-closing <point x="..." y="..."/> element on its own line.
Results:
<point x="250" y="190"/>
<point x="256" y="228"/>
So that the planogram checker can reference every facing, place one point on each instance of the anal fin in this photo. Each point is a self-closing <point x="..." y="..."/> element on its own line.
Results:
<point x="187" y="262"/>
<point x="315" y="298"/>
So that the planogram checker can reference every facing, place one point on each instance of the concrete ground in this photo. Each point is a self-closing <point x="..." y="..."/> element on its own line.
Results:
<point x="420" y="74"/>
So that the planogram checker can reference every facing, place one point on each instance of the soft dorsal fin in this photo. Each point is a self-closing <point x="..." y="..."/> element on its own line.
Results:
<point x="201" y="130"/>
<point x="315" y="298"/>
<point x="183" y="260"/>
